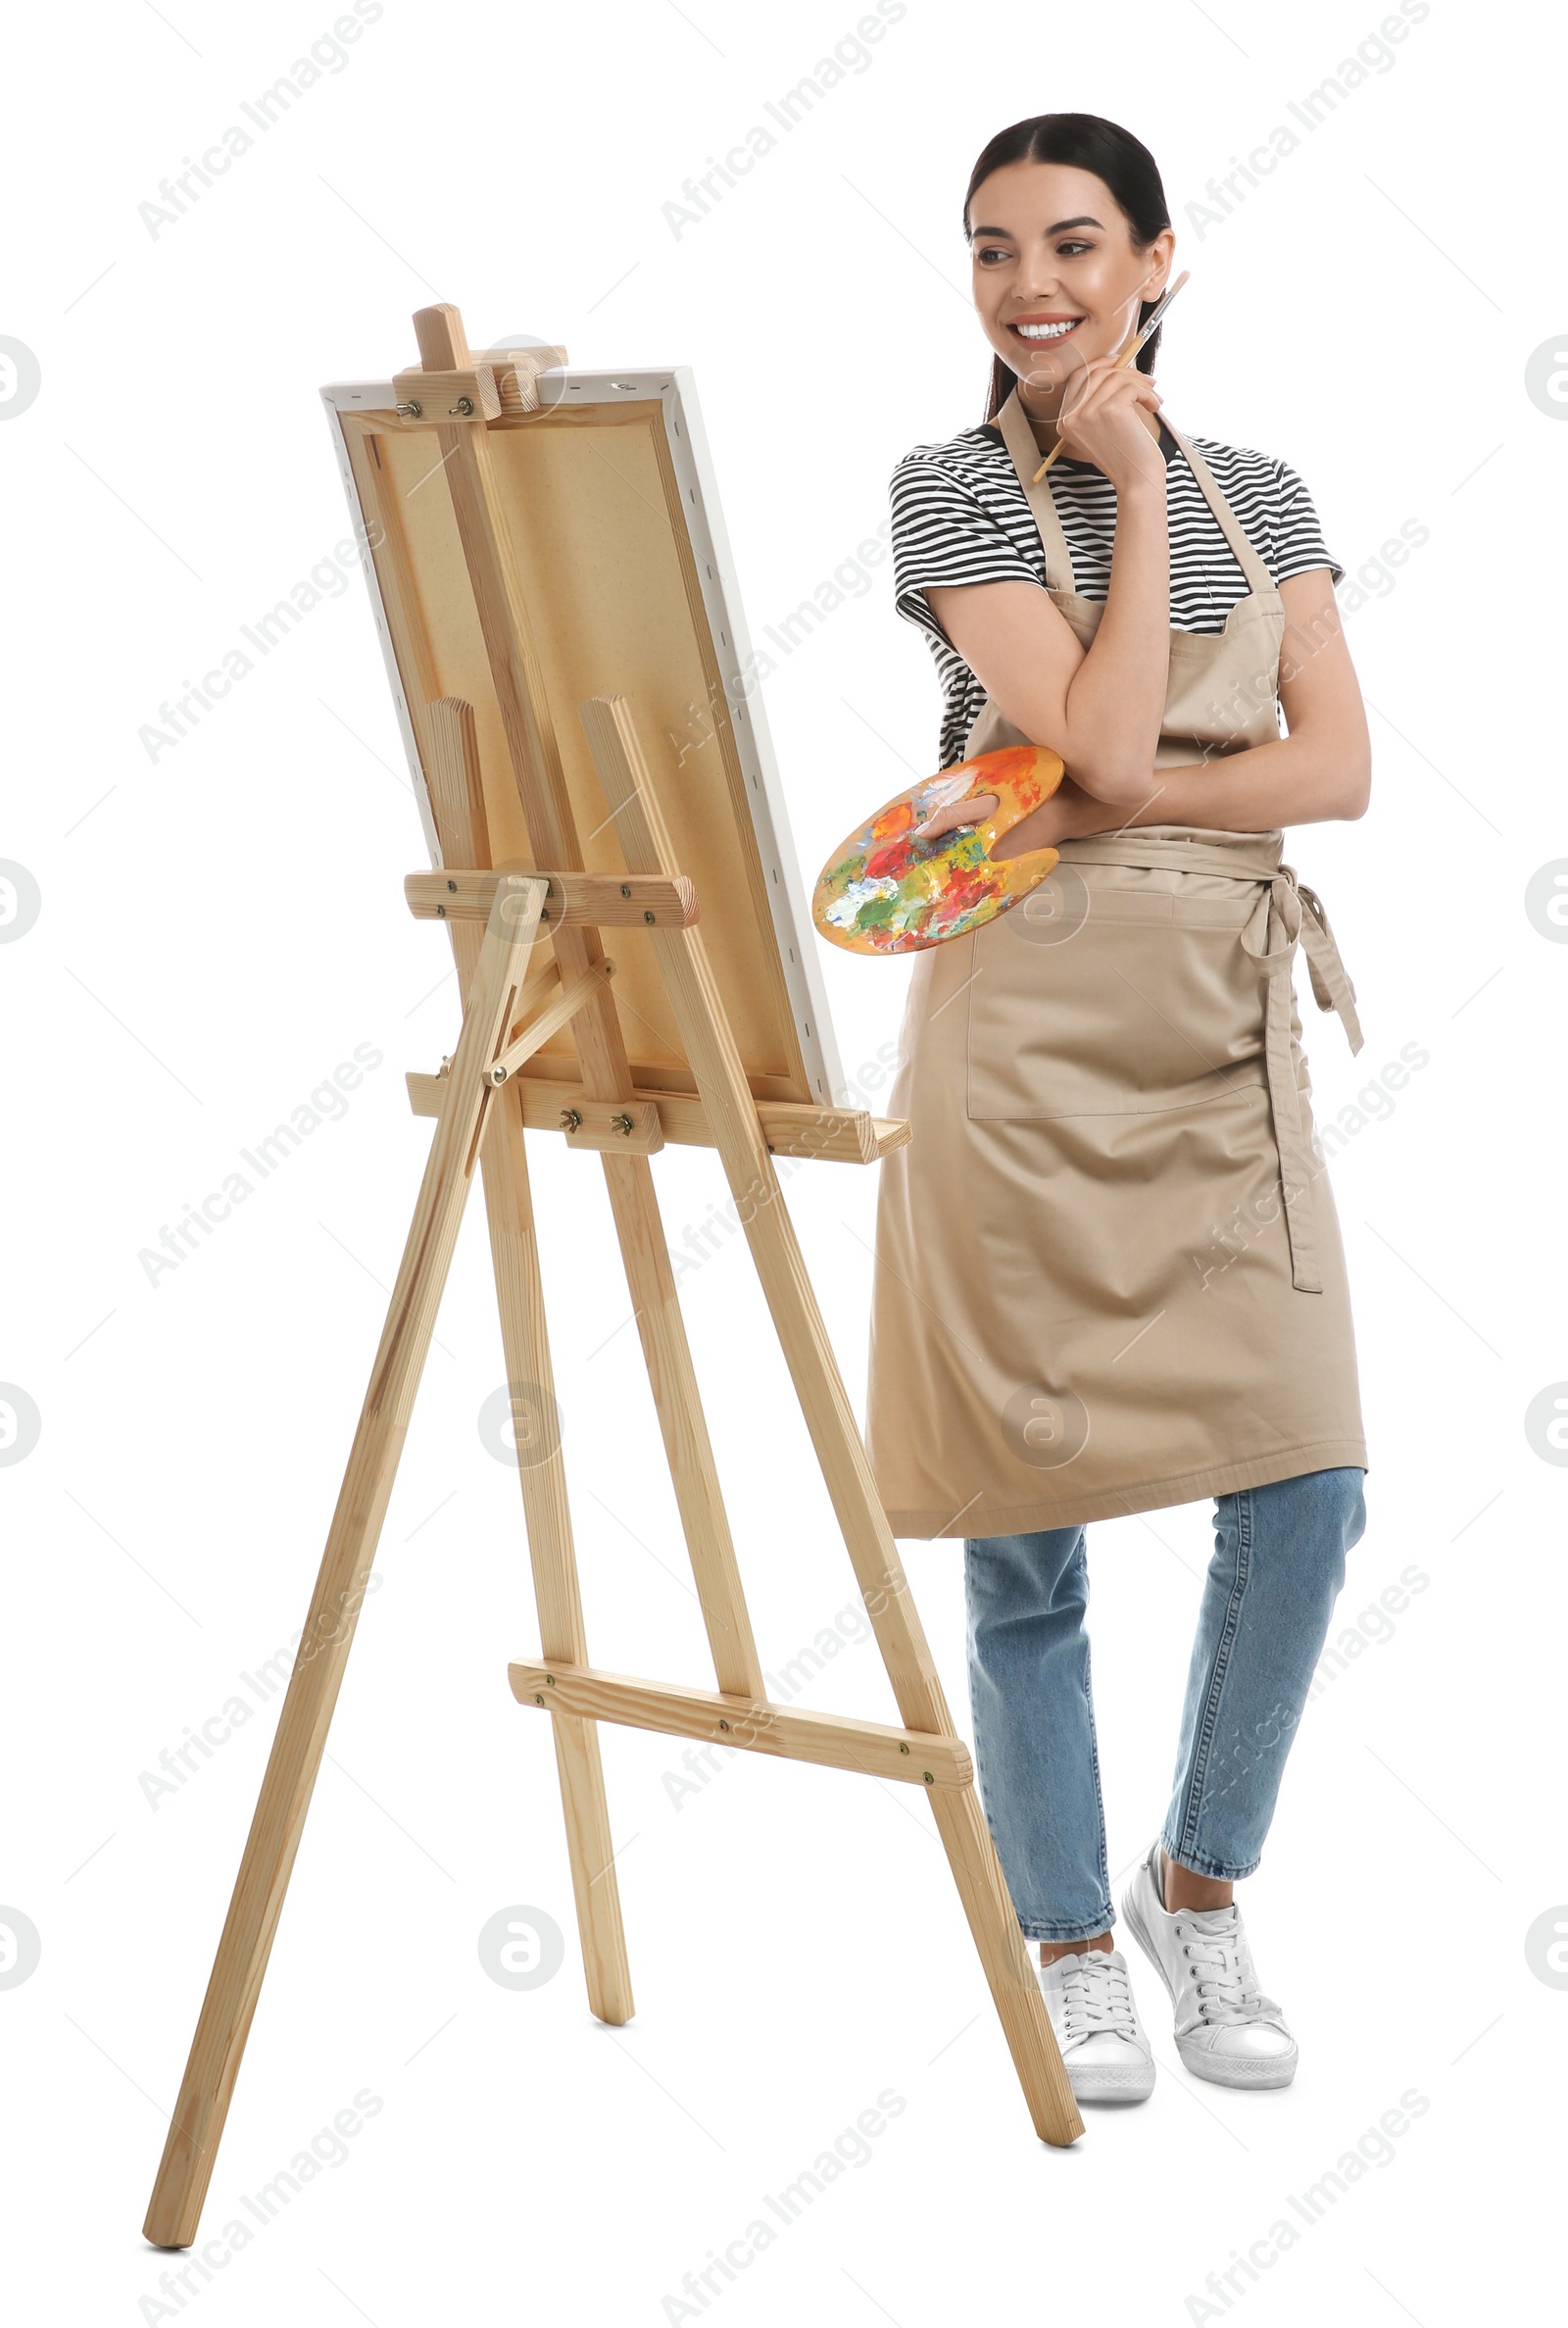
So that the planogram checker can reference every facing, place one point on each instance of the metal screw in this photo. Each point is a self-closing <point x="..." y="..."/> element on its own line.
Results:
<point x="538" y="1698"/>
<point x="723" y="1725"/>
<point x="625" y="889"/>
<point x="929" y="1780"/>
<point x="452" y="885"/>
<point x="570" y="1120"/>
<point x="648" y="916"/>
<point x="622" y="1124"/>
<point x="440" y="912"/>
<point x="496" y="1076"/>
<point x="903" y="1748"/>
<point x="549" y="1681"/>
<point x="464" y="405"/>
<point x="412" y="410"/>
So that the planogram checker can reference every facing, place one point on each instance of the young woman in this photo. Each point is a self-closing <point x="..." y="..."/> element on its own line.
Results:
<point x="1111" y="1275"/>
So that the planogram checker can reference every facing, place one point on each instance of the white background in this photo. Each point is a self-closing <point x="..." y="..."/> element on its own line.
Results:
<point x="219" y="927"/>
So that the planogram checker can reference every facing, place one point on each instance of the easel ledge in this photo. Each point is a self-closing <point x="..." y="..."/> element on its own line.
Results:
<point x="836" y="1135"/>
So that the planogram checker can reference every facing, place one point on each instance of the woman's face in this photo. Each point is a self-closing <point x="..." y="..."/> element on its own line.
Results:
<point x="1057" y="279"/>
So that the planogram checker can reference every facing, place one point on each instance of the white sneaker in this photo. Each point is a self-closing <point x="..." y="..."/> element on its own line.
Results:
<point x="1089" y="2000"/>
<point x="1226" y="2029"/>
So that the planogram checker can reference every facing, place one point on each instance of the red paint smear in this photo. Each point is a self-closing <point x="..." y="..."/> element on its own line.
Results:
<point x="966" y="891"/>
<point x="894" y="861"/>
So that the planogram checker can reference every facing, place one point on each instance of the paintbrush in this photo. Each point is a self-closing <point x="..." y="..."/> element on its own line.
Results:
<point x="1121" y="360"/>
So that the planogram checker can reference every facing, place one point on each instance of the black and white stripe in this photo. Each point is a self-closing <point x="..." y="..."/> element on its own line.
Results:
<point x="959" y="514"/>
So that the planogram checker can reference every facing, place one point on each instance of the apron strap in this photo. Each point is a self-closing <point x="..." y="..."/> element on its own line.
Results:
<point x="1288" y="913"/>
<point x="1019" y="439"/>
<point x="1259" y="577"/>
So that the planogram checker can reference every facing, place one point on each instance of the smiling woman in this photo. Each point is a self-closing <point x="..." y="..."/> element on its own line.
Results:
<point x="1106" y="1080"/>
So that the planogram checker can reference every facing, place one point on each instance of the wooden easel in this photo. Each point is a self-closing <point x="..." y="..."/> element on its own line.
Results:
<point x="481" y="1104"/>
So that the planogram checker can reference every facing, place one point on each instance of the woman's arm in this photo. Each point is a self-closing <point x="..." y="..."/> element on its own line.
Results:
<point x="1321" y="770"/>
<point x="1100" y="709"/>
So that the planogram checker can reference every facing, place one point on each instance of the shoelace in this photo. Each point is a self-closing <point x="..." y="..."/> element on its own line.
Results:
<point x="1226" y="1990"/>
<point x="1095" y="1995"/>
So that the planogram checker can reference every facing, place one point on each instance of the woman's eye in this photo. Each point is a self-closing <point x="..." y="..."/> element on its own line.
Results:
<point x="1065" y="250"/>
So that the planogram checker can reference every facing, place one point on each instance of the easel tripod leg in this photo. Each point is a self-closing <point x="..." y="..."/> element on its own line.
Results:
<point x="651" y="1282"/>
<point x="457" y="799"/>
<point x="196" y="2128"/>
<point x="519" y="1292"/>
<point x="1004" y="1959"/>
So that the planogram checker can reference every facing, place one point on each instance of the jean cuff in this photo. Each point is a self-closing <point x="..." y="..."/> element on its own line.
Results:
<point x="1060" y="1932"/>
<point x="1199" y="1862"/>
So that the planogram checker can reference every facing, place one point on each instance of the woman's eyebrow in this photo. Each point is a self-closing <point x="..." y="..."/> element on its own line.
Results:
<point x="1058" y="228"/>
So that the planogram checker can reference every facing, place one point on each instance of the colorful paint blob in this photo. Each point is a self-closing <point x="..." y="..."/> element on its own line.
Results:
<point x="882" y="891"/>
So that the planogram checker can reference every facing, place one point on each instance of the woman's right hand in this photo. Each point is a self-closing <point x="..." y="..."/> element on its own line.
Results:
<point x="1099" y="421"/>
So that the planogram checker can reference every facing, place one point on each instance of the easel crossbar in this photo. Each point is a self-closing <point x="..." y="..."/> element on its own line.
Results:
<point x="878" y="1749"/>
<point x="572" y="900"/>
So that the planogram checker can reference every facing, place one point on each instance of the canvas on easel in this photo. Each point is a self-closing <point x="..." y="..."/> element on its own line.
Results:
<point x="570" y="669"/>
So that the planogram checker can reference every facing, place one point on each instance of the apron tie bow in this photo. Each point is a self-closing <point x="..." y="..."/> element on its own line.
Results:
<point x="1291" y="913"/>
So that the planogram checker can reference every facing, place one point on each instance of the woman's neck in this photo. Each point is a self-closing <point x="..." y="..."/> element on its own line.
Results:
<point x="1044" y="430"/>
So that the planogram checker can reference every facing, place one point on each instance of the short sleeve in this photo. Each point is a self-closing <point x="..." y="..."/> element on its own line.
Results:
<point x="1299" y="544"/>
<point x="942" y="535"/>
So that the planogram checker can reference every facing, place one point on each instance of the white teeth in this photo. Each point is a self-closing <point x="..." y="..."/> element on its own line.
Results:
<point x="1047" y="331"/>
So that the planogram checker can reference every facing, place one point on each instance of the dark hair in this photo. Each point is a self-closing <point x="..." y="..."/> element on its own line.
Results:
<point x="1083" y="141"/>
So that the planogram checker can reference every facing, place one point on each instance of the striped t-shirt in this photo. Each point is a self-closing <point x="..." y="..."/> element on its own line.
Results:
<point x="959" y="514"/>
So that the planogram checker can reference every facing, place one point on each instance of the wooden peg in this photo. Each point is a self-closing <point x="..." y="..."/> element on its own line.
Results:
<point x="443" y="343"/>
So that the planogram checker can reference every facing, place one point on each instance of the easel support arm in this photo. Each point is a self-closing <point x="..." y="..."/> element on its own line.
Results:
<point x="563" y="1004"/>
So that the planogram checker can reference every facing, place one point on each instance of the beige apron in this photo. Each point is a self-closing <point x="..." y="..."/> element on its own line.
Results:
<point x="1109" y="1273"/>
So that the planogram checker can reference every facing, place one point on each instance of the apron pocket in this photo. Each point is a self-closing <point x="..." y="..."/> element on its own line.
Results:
<point x="1132" y="1001"/>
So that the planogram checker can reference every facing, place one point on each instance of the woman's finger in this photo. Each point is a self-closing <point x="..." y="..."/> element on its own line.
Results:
<point x="952" y="815"/>
<point x="1089" y="410"/>
<point x="1135" y="385"/>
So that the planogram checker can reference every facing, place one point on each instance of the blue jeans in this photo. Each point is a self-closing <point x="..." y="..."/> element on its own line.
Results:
<point x="1278" y="1566"/>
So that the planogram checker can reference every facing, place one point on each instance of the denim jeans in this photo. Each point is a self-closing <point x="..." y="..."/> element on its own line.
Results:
<point x="1278" y="1566"/>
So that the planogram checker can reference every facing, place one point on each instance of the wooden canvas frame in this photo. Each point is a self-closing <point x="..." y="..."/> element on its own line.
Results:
<point x="483" y="1098"/>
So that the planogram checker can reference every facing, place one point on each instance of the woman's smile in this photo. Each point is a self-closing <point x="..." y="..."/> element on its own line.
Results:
<point x="1044" y="329"/>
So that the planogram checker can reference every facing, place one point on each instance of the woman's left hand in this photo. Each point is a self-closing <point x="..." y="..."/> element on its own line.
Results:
<point x="1069" y="814"/>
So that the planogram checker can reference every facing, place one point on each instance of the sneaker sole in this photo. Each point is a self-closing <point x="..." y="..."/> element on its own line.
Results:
<point x="1216" y="2070"/>
<point x="1222" y="2069"/>
<point x="1132" y="2084"/>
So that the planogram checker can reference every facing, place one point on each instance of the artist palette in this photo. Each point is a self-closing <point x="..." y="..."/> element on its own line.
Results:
<point x="882" y="891"/>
